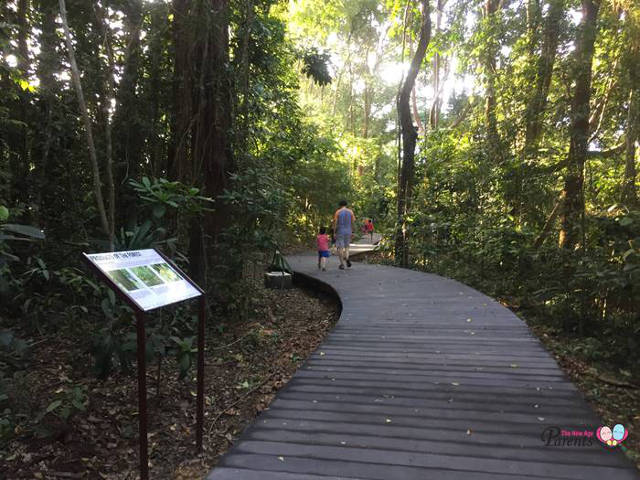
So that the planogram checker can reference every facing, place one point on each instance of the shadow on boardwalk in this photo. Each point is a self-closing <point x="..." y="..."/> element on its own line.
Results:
<point x="421" y="378"/>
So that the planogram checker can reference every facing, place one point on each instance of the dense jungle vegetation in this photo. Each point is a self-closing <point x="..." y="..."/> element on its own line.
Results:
<point x="493" y="141"/>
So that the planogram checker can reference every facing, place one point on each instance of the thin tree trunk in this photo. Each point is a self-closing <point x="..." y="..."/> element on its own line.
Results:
<point x="573" y="192"/>
<point x="548" y="225"/>
<point x="108" y="96"/>
<point x="127" y="122"/>
<point x="75" y="75"/>
<point x="352" y="123"/>
<point x="244" y="62"/>
<point x="491" y="8"/>
<point x="629" y="193"/>
<point x="159" y="16"/>
<point x="434" y="114"/>
<point x="367" y="111"/>
<point x="23" y="34"/>
<point x="544" y="70"/>
<point x="405" y="22"/>
<point x="409" y="137"/>
<point x="537" y="103"/>
<point x="22" y="181"/>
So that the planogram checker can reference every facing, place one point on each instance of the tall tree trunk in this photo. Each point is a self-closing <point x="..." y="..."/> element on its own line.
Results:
<point x="434" y="113"/>
<point x="409" y="137"/>
<point x="537" y="102"/>
<point x="544" y="70"/>
<point x="128" y="125"/>
<point x="490" y="54"/>
<point x="48" y="64"/>
<point x="84" y="113"/>
<point x="243" y="127"/>
<point x="180" y="162"/>
<point x="23" y="35"/>
<point x="573" y="192"/>
<point x="632" y="63"/>
<point x="211" y="145"/>
<point x="629" y="193"/>
<point x="20" y="181"/>
<point x="367" y="110"/>
<point x="108" y="95"/>
<point x="159" y="14"/>
<point x="534" y="16"/>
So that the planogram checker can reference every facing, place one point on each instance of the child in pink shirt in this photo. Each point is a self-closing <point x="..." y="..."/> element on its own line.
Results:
<point x="323" y="248"/>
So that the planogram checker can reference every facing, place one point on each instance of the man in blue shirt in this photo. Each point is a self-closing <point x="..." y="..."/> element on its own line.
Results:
<point x="343" y="221"/>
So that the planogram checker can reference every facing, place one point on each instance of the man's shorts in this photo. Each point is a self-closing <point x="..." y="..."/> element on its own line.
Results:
<point x="324" y="253"/>
<point x="343" y="240"/>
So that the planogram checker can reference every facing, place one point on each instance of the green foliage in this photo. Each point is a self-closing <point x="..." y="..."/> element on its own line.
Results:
<point x="67" y="402"/>
<point x="316" y="67"/>
<point x="185" y="354"/>
<point x="160" y="195"/>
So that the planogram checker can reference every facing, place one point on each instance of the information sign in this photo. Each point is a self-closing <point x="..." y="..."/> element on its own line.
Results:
<point x="144" y="277"/>
<point x="146" y="280"/>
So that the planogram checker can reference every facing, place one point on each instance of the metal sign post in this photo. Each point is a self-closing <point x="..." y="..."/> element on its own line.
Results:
<point x="200" y="393"/>
<point x="147" y="280"/>
<point x="142" y="396"/>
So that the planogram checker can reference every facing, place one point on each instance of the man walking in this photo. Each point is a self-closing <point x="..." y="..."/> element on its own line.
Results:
<point x="343" y="221"/>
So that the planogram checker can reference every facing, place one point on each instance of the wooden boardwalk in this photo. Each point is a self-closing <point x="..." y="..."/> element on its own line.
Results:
<point x="421" y="378"/>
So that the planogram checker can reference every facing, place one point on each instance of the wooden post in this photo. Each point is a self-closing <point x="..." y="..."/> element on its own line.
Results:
<point x="200" y="380"/>
<point x="142" y="397"/>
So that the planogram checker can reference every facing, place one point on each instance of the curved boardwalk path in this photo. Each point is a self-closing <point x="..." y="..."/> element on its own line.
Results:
<point x="422" y="378"/>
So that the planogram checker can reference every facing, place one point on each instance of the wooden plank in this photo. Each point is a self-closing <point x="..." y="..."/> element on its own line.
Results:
<point x="407" y="387"/>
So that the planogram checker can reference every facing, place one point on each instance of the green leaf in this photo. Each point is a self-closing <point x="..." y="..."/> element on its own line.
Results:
<point x="4" y="213"/>
<point x="13" y="238"/>
<point x="159" y="210"/>
<point x="26" y="230"/>
<point x="53" y="405"/>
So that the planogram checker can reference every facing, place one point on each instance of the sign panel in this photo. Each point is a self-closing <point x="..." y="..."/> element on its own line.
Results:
<point x="145" y="277"/>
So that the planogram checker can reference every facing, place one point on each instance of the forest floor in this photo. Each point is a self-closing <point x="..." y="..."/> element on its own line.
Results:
<point x="246" y="363"/>
<point x="611" y="395"/>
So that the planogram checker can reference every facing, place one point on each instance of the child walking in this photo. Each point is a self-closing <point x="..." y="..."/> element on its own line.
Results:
<point x="323" y="249"/>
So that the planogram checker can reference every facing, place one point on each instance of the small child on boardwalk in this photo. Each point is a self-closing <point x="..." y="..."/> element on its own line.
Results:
<point x="323" y="248"/>
<point x="369" y="228"/>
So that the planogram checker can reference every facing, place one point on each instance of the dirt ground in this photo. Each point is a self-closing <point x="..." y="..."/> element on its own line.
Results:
<point x="246" y="363"/>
